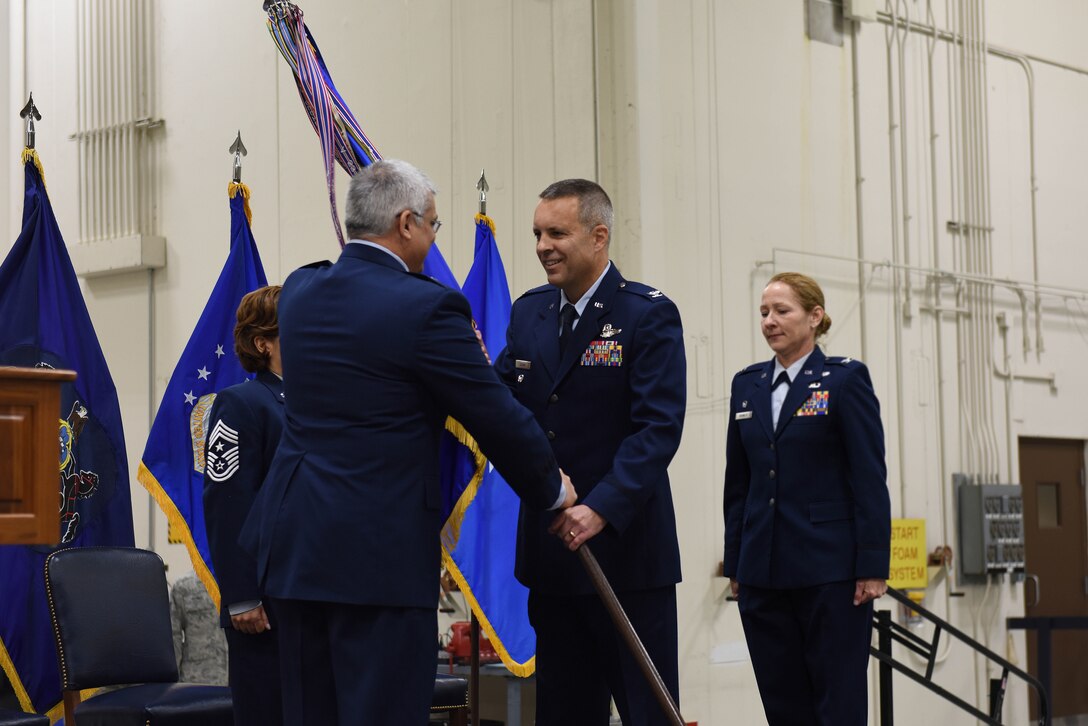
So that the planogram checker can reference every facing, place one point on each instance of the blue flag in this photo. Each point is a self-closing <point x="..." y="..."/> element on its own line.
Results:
<point x="434" y="265"/>
<point x="172" y="467"/>
<point x="479" y="538"/>
<point x="44" y="323"/>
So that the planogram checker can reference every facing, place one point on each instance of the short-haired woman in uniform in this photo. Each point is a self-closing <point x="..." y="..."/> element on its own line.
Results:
<point x="244" y="428"/>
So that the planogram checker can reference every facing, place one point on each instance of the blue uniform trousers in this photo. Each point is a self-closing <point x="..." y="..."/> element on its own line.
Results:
<point x="356" y="665"/>
<point x="254" y="673"/>
<point x="581" y="660"/>
<point x="810" y="650"/>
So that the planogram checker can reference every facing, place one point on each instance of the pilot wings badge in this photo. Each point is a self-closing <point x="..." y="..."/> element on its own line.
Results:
<point x="608" y="331"/>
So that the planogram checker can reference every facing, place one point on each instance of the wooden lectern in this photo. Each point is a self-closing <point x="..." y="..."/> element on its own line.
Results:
<point x="30" y="454"/>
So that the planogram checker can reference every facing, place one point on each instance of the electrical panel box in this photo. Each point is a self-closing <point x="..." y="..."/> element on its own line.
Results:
<point x="991" y="524"/>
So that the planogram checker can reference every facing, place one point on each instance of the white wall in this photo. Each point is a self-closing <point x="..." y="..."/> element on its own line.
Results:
<point x="722" y="132"/>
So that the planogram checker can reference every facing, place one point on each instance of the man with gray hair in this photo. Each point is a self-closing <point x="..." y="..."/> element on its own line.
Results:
<point x="345" y="529"/>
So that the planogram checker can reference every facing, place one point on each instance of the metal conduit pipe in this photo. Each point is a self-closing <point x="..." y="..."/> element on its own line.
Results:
<point x="953" y="36"/>
<point x="970" y="227"/>
<point x="859" y="181"/>
<point x="967" y="414"/>
<point x="1025" y="60"/>
<point x="904" y="166"/>
<point x="897" y="324"/>
<point x="1006" y="376"/>
<point x="937" y="289"/>
<point x="985" y="374"/>
<point x="1030" y="75"/>
<point x="980" y="321"/>
<point x="988" y="206"/>
<point x="889" y="38"/>
<point x="1058" y="291"/>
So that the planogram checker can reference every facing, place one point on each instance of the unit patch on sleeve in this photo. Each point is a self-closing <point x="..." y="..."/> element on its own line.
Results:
<point x="603" y="353"/>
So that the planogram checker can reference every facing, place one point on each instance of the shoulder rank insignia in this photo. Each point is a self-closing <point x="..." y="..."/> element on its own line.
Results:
<point x="608" y="331"/>
<point x="655" y="293"/>
<point x="222" y="453"/>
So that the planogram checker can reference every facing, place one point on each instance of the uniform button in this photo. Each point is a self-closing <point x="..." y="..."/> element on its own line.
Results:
<point x="772" y="447"/>
<point x="551" y="436"/>
<point x="772" y="501"/>
<point x="553" y="398"/>
<point x="772" y="474"/>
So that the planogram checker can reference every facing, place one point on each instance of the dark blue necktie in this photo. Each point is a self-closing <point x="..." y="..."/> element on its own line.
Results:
<point x="567" y="316"/>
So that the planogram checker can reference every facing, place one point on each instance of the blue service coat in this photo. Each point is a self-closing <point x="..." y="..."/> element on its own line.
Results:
<point x="613" y="407"/>
<point x="807" y="503"/>
<point x="244" y="428"/>
<point x="374" y="359"/>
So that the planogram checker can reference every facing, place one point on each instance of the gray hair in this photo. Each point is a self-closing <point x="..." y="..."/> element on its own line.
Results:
<point x="594" y="206"/>
<point x="381" y="191"/>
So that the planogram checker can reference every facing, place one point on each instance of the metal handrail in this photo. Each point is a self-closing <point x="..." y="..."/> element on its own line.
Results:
<point x="889" y="631"/>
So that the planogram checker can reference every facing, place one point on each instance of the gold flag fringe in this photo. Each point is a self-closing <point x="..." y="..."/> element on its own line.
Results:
<point x="8" y="666"/>
<point x="13" y="677"/>
<point x="31" y="155"/>
<point x="151" y="484"/>
<point x="521" y="670"/>
<point x="232" y="190"/>
<point x="489" y="220"/>
<point x="451" y="533"/>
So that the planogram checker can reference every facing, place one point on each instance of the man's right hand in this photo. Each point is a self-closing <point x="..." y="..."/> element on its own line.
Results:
<point x="572" y="495"/>
<point x="251" y="621"/>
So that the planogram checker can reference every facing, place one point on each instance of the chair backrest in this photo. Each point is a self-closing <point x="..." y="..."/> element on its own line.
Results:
<point x="111" y="616"/>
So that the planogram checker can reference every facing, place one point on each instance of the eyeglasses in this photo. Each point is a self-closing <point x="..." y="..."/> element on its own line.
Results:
<point x="435" y="225"/>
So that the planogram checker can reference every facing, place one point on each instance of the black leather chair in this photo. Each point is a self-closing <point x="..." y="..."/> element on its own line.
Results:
<point x="111" y="621"/>
<point x="450" y="699"/>
<point x="18" y="718"/>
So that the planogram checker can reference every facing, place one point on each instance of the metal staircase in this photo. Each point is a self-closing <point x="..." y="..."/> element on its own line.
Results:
<point x="890" y="631"/>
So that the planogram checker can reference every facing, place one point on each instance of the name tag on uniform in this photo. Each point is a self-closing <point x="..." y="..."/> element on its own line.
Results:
<point x="741" y="415"/>
<point x="523" y="364"/>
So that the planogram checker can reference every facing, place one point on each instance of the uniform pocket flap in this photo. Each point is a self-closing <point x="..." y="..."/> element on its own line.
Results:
<point x="830" y="511"/>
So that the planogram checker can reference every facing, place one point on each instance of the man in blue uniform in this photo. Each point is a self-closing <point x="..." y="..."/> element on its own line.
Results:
<point x="600" y="362"/>
<point x="375" y="356"/>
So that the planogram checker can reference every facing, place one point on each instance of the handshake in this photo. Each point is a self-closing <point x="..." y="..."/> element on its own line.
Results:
<point x="575" y="524"/>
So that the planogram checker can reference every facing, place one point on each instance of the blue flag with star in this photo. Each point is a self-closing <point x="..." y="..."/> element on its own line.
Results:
<point x="44" y="323"/>
<point x="480" y="535"/>
<point x="172" y="467"/>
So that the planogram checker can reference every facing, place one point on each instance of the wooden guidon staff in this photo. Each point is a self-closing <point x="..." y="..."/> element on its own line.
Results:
<point x="623" y="624"/>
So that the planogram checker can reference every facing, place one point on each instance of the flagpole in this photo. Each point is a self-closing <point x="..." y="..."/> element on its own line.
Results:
<point x="474" y="667"/>
<point x="627" y="631"/>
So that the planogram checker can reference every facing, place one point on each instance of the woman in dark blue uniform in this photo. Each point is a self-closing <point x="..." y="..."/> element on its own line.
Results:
<point x="807" y="514"/>
<point x="244" y="429"/>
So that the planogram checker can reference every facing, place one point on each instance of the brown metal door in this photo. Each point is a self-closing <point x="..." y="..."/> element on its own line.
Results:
<point x="1056" y="562"/>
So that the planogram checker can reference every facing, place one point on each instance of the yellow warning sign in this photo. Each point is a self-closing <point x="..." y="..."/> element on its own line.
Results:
<point x="908" y="566"/>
